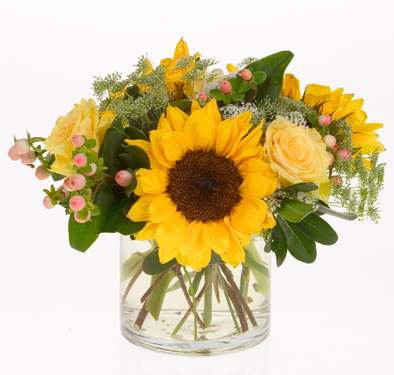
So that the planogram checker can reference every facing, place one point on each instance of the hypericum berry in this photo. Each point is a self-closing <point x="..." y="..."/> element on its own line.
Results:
<point x="336" y="180"/>
<point x="124" y="178"/>
<point x="42" y="173"/>
<point x="77" y="141"/>
<point x="77" y="203"/>
<point x="203" y="96"/>
<point x="48" y="203"/>
<point x="324" y="120"/>
<point x="343" y="154"/>
<point x="80" y="160"/>
<point x="226" y="87"/>
<point x="331" y="159"/>
<point x="335" y="148"/>
<point x="13" y="155"/>
<point x="22" y="146"/>
<point x="63" y="191"/>
<point x="77" y="182"/>
<point x="79" y="220"/>
<point x="246" y="74"/>
<point x="29" y="158"/>
<point x="330" y="140"/>
<point x="94" y="170"/>
<point x="66" y="184"/>
<point x="217" y="71"/>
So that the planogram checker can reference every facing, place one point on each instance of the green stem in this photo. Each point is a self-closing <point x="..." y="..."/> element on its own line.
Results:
<point x="228" y="302"/>
<point x="244" y="283"/>
<point x="197" y="280"/>
<point x="194" y="302"/>
<point x="207" y="314"/>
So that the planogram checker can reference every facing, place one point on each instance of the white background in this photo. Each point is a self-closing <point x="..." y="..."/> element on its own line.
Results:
<point x="59" y="308"/>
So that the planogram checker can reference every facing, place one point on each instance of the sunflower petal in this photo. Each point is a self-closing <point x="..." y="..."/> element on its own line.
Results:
<point x="176" y="118"/>
<point x="172" y="233"/>
<point x="348" y="109"/>
<point x="195" y="243"/>
<point x="162" y="208"/>
<point x="157" y="147"/>
<point x="151" y="181"/>
<point x="147" y="233"/>
<point x="217" y="236"/>
<point x="164" y="123"/>
<point x="200" y="131"/>
<point x="212" y="112"/>
<point x="175" y="145"/>
<point x="139" y="210"/>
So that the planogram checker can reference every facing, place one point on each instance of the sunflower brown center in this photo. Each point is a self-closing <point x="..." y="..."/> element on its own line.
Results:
<point x="204" y="185"/>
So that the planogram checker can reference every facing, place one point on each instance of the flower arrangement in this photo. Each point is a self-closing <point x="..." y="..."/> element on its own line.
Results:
<point x="201" y="164"/>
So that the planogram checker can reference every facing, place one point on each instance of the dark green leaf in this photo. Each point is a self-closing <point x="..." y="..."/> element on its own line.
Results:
<point x="65" y="202"/>
<point x="317" y="230"/>
<point x="135" y="133"/>
<point x="127" y="227"/>
<point x="152" y="266"/>
<point x="183" y="105"/>
<point x="139" y="158"/>
<point x="236" y="96"/>
<point x="280" y="246"/>
<point x="129" y="189"/>
<point x="259" y="77"/>
<point x="104" y="199"/>
<point x="293" y="210"/>
<point x="81" y="236"/>
<point x="118" y="123"/>
<point x="342" y="215"/>
<point x="226" y="99"/>
<point x="268" y="244"/>
<point x="91" y="143"/>
<point x="111" y="149"/>
<point x="116" y="211"/>
<point x="274" y="66"/>
<point x="302" y="186"/>
<point x="132" y="91"/>
<point x="57" y="177"/>
<point x="300" y="247"/>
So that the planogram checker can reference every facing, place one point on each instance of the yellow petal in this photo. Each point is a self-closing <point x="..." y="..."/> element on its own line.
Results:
<point x="181" y="51"/>
<point x="195" y="242"/>
<point x="163" y="123"/>
<point x="151" y="181"/>
<point x="157" y="147"/>
<point x="200" y="131"/>
<point x="167" y="253"/>
<point x="216" y="234"/>
<point x="348" y="108"/>
<point x="244" y="238"/>
<point x="175" y="145"/>
<point x="249" y="215"/>
<point x="316" y="94"/>
<point x="172" y="234"/>
<point x="368" y="127"/>
<point x="147" y="233"/>
<point x="161" y="209"/>
<point x="243" y="120"/>
<point x="176" y="118"/>
<point x="227" y="136"/>
<point x="197" y="262"/>
<point x="269" y="221"/>
<point x="356" y="119"/>
<point x="249" y="145"/>
<point x="258" y="185"/>
<point x="139" y="210"/>
<point x="231" y="68"/>
<point x="291" y="87"/>
<point x="195" y="106"/>
<point x="212" y="112"/>
<point x="147" y="147"/>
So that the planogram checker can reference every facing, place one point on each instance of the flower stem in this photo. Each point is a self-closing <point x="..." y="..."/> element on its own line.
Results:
<point x="155" y="283"/>
<point x="131" y="283"/>
<point x="207" y="314"/>
<point x="194" y="302"/>
<point x="244" y="282"/>
<point x="141" y="317"/>
<point x="185" y="292"/>
<point x="228" y="302"/>
<point x="238" y="294"/>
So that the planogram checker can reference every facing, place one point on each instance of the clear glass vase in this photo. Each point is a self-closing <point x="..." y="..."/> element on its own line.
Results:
<point x="230" y="308"/>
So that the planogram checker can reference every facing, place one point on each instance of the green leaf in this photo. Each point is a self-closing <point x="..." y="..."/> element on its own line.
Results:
<point x="86" y="169"/>
<point x="179" y="93"/>
<point x="236" y="96"/>
<point x="183" y="105"/>
<point x="302" y="186"/>
<point x="130" y="266"/>
<point x="313" y="118"/>
<point x="268" y="244"/>
<point x="217" y="94"/>
<point x="139" y="158"/>
<point x="104" y="199"/>
<point x="116" y="211"/>
<point x="235" y="82"/>
<point x="83" y="214"/>
<point x="274" y="66"/>
<point x="135" y="133"/>
<point x="243" y="87"/>
<point x="215" y="258"/>
<point x="110" y="150"/>
<point x="317" y="230"/>
<point x="129" y="189"/>
<point x="279" y="245"/>
<point x="81" y="236"/>
<point x="259" y="77"/>
<point x="127" y="227"/>
<point x="91" y="143"/>
<point x="342" y="215"/>
<point x="293" y="210"/>
<point x="118" y="124"/>
<point x="132" y="92"/>
<point x="300" y="247"/>
<point x="152" y="266"/>
<point x="65" y="202"/>
<point x="57" y="177"/>
<point x="226" y="99"/>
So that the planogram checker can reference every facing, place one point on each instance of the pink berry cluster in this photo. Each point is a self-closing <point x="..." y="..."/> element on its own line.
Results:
<point x="331" y="142"/>
<point x="22" y="150"/>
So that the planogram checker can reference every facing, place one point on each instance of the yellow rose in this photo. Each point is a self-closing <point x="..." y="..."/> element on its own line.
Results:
<point x="83" y="119"/>
<point x="296" y="153"/>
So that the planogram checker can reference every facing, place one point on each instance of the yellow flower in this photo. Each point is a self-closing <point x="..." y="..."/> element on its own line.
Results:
<point x="83" y="119"/>
<point x="231" y="68"/>
<point x="205" y="186"/>
<point x="338" y="105"/>
<point x="296" y="153"/>
<point x="173" y="76"/>
<point x="291" y="87"/>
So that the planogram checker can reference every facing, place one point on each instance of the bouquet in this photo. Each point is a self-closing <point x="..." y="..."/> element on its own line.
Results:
<point x="202" y="164"/>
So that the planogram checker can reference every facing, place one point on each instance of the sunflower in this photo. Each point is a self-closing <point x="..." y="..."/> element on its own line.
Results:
<point x="339" y="106"/>
<point x="205" y="186"/>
